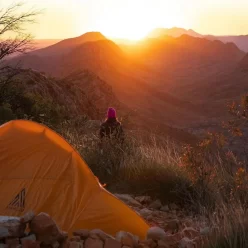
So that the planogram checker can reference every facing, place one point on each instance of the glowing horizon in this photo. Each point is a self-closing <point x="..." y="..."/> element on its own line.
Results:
<point x="134" y="19"/>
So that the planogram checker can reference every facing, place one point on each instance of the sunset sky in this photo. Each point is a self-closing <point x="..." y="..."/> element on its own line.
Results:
<point x="133" y="19"/>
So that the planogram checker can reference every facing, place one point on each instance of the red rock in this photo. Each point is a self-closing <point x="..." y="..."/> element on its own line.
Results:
<point x="112" y="243"/>
<point x="45" y="229"/>
<point x="26" y="218"/>
<point x="83" y="233"/>
<point x="26" y="243"/>
<point x="93" y="243"/>
<point x="12" y="242"/>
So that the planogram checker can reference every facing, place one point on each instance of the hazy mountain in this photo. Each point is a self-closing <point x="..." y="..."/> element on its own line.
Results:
<point x="174" y="32"/>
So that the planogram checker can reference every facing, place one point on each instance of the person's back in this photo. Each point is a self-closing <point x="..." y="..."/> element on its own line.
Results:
<point x="111" y="128"/>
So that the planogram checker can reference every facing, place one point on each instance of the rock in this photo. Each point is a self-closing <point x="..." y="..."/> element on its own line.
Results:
<point x="11" y="227"/>
<point x="112" y="243"/>
<point x="149" y="218"/>
<point x="99" y="234"/>
<point x="190" y="232"/>
<point x="165" y="208"/>
<point x="156" y="204"/>
<point x="163" y="244"/>
<point x="26" y="218"/>
<point x="172" y="226"/>
<point x="186" y="243"/>
<point x="56" y="245"/>
<point x="205" y="231"/>
<point x="74" y="244"/>
<point x="143" y="199"/>
<point x="149" y="243"/>
<point x="93" y="243"/>
<point x="173" y="206"/>
<point x="145" y="212"/>
<point x="26" y="243"/>
<point x="83" y="233"/>
<point x="29" y="237"/>
<point x="12" y="242"/>
<point x="155" y="233"/>
<point x="173" y="240"/>
<point x="127" y="239"/>
<point x="129" y="200"/>
<point x="45" y="229"/>
<point x="75" y="238"/>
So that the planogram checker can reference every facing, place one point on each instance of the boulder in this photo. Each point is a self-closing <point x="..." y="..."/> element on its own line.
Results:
<point x="129" y="200"/>
<point x="156" y="204"/>
<point x="127" y="239"/>
<point x="155" y="233"/>
<point x="112" y="243"/>
<point x="26" y="218"/>
<point x="93" y="243"/>
<point x="83" y="233"/>
<point x="46" y="230"/>
<point x="11" y="227"/>
<point x="143" y="199"/>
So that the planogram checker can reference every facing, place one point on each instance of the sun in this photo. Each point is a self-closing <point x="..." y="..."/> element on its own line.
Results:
<point x="133" y="20"/>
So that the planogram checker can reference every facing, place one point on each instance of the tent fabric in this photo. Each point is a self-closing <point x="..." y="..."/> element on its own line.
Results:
<point x="40" y="171"/>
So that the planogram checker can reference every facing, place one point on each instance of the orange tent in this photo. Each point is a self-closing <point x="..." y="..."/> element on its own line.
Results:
<point x="40" y="171"/>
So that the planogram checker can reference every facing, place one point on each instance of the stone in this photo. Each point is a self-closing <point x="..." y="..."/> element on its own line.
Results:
<point x="173" y="206"/>
<point x="127" y="239"/>
<point x="149" y="243"/>
<point x="165" y="208"/>
<point x="83" y="233"/>
<point x="129" y="200"/>
<point x="186" y="243"/>
<point x="155" y="233"/>
<point x="145" y="212"/>
<point x="162" y="244"/>
<point x="173" y="240"/>
<point x="46" y="230"/>
<point x="93" y="243"/>
<point x="172" y="225"/>
<point x="26" y="243"/>
<point x="205" y="231"/>
<point x="149" y="218"/>
<point x="75" y="238"/>
<point x="12" y="242"/>
<point x="74" y="244"/>
<point x="112" y="243"/>
<point x="29" y="237"/>
<point x="11" y="227"/>
<point x="156" y="204"/>
<point x="190" y="232"/>
<point x="99" y="234"/>
<point x="26" y="218"/>
<point x="56" y="245"/>
<point x="143" y="199"/>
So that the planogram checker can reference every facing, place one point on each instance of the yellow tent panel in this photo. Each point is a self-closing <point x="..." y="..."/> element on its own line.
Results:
<point x="40" y="171"/>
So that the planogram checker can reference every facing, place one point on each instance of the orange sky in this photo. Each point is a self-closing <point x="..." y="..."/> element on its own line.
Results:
<point x="133" y="19"/>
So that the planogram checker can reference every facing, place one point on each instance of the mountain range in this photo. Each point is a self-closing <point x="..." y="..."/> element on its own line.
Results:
<point x="171" y="80"/>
